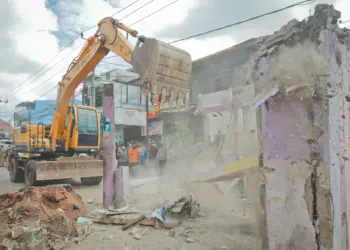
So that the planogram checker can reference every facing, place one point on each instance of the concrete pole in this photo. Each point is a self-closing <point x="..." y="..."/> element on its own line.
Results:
<point x="147" y="103"/>
<point x="109" y="157"/>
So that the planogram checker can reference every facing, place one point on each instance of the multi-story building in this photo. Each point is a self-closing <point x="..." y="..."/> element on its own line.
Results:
<point x="130" y="103"/>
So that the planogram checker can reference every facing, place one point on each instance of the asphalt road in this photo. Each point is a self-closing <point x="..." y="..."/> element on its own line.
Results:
<point x="5" y="184"/>
<point x="94" y="192"/>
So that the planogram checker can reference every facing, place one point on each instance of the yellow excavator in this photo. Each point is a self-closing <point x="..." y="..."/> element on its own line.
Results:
<point x="70" y="146"/>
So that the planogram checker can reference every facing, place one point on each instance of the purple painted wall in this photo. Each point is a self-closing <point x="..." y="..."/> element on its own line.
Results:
<point x="285" y="129"/>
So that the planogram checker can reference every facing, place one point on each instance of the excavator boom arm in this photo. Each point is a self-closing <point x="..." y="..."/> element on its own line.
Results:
<point x="163" y="66"/>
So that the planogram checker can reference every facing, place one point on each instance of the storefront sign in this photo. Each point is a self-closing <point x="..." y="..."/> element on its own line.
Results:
<point x="131" y="117"/>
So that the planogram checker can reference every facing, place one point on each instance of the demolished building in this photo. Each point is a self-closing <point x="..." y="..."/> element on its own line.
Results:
<point x="305" y="131"/>
<point x="302" y="82"/>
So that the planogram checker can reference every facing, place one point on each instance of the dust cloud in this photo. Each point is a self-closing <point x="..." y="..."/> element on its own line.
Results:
<point x="227" y="207"/>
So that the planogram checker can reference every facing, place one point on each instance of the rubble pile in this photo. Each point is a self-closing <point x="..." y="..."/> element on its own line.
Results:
<point x="39" y="217"/>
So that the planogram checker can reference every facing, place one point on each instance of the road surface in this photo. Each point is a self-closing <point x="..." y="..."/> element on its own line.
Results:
<point x="226" y="223"/>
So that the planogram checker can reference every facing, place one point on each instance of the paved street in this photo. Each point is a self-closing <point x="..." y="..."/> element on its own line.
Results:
<point x="5" y="184"/>
<point x="213" y="231"/>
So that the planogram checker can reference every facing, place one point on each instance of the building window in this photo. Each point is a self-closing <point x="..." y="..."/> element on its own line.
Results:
<point x="99" y="96"/>
<point x="124" y="93"/>
<point x="117" y="94"/>
<point x="133" y="94"/>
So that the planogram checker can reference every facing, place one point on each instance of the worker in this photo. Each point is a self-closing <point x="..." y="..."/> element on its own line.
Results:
<point x="134" y="158"/>
<point x="162" y="157"/>
<point x="143" y="154"/>
<point x="153" y="151"/>
<point x="122" y="156"/>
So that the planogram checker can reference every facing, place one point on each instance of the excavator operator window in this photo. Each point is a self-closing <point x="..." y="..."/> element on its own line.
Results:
<point x="87" y="127"/>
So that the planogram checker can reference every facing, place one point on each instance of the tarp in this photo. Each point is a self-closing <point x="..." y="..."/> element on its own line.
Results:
<point x="43" y="111"/>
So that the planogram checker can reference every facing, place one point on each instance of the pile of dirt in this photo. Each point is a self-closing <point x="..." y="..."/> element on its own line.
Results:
<point x="52" y="209"/>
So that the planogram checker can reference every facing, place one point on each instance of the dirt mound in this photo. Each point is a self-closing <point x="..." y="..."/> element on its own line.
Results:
<point x="51" y="208"/>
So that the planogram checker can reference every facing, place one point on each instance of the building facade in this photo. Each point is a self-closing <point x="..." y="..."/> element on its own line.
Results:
<point x="129" y="101"/>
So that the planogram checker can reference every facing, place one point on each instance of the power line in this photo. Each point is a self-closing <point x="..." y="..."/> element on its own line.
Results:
<point x="243" y="21"/>
<point x="116" y="64"/>
<point x="227" y="26"/>
<point x="57" y="86"/>
<point x="137" y="9"/>
<point x="155" y="12"/>
<point x="112" y="15"/>
<point x="116" y="13"/>
<point x="61" y="50"/>
<point x="46" y="71"/>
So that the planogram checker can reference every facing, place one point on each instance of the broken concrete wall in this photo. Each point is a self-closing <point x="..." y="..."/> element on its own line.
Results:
<point x="286" y="129"/>
<point x="221" y="70"/>
<point x="289" y="177"/>
<point x="328" y="48"/>
<point x="345" y="136"/>
<point x="229" y="112"/>
<point x="301" y="133"/>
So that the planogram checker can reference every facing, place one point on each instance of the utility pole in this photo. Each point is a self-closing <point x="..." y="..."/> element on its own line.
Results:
<point x="147" y="103"/>
<point x="93" y="90"/>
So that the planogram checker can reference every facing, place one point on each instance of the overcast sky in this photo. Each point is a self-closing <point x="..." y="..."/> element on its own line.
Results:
<point x="33" y="32"/>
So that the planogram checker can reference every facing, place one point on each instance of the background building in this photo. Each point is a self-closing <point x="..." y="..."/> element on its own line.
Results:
<point x="130" y="103"/>
<point x="35" y="112"/>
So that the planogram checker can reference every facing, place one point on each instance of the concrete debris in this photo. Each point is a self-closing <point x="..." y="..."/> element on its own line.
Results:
<point x="171" y="233"/>
<point x="125" y="219"/>
<point x="136" y="232"/>
<point x="39" y="217"/>
<point x="134" y="222"/>
<point x="188" y="206"/>
<point x="29" y="238"/>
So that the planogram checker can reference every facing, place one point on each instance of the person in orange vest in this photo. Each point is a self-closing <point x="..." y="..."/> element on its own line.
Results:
<point x="134" y="158"/>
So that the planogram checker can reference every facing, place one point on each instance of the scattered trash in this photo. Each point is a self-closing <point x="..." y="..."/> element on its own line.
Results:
<point x="190" y="240"/>
<point x="188" y="206"/>
<point x="159" y="214"/>
<point x="83" y="226"/>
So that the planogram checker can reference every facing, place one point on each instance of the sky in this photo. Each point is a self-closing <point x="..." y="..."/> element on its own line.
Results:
<point x="34" y="32"/>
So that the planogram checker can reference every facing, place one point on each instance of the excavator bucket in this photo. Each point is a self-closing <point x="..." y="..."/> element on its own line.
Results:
<point x="69" y="167"/>
<point x="165" y="70"/>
